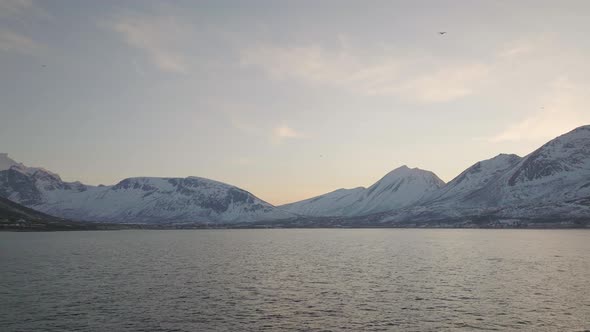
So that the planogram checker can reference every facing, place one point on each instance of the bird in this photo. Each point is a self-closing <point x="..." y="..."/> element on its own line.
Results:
<point x="442" y="32"/>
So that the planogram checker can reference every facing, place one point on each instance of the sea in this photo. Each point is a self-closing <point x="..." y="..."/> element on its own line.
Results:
<point x="296" y="280"/>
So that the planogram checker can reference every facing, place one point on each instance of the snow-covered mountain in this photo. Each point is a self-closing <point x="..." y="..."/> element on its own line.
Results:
<point x="553" y="182"/>
<point x="141" y="200"/>
<point x="558" y="171"/>
<point x="399" y="188"/>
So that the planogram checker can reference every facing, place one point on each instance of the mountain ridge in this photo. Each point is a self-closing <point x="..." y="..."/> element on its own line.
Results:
<point x="553" y="181"/>
<point x="136" y="200"/>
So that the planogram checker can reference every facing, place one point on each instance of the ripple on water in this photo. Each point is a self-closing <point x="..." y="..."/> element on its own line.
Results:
<point x="293" y="280"/>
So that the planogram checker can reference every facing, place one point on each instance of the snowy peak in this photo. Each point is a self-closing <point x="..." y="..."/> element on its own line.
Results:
<point x="399" y="188"/>
<point x="475" y="178"/>
<point x="36" y="172"/>
<point x="6" y="162"/>
<point x="395" y="175"/>
<point x="483" y="170"/>
<point x="558" y="171"/>
<point x="217" y="196"/>
<point x="393" y="180"/>
<point x="46" y="180"/>
<point x="185" y="186"/>
<point x="566" y="154"/>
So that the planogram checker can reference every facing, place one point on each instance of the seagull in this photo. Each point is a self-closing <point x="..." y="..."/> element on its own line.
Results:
<point x="442" y="32"/>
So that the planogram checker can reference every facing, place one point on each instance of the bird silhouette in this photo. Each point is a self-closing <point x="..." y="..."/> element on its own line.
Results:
<point x="442" y="32"/>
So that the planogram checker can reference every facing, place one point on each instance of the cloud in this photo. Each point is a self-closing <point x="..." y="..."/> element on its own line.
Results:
<point x="243" y="161"/>
<point x="11" y="7"/>
<point x="243" y="126"/>
<point x="312" y="63"/>
<point x="13" y="42"/>
<point x="286" y="132"/>
<point x="18" y="8"/>
<point x="564" y="109"/>
<point x="282" y="132"/>
<point x="159" y="37"/>
<point x="516" y="50"/>
<point x="420" y="79"/>
<point x="541" y="126"/>
<point x="275" y="135"/>
<point x="443" y="85"/>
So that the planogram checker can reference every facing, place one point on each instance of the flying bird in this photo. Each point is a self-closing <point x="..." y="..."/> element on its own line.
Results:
<point x="442" y="32"/>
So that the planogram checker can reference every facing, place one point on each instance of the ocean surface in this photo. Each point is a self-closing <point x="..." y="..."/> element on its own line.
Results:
<point x="296" y="280"/>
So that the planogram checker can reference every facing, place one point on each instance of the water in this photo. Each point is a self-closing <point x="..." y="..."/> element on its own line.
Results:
<point x="296" y="280"/>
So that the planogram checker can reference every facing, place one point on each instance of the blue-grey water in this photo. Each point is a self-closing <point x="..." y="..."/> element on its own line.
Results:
<point x="296" y="280"/>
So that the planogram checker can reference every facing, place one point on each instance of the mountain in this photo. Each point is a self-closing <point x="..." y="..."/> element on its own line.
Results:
<point x="399" y="188"/>
<point x="551" y="183"/>
<point x="558" y="171"/>
<point x="135" y="200"/>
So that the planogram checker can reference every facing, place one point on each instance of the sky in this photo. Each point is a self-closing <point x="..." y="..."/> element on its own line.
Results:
<point x="286" y="99"/>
